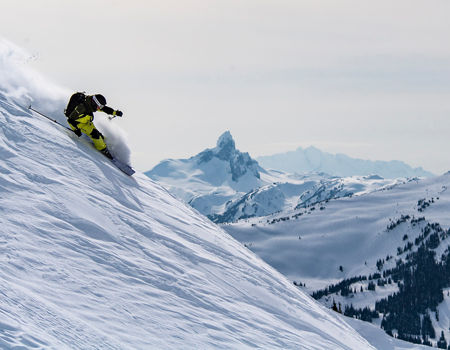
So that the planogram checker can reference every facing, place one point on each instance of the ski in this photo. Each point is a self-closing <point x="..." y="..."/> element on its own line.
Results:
<point x="123" y="167"/>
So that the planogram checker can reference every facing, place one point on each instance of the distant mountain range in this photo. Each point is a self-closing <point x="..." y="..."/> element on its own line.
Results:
<point x="312" y="159"/>
<point x="227" y="185"/>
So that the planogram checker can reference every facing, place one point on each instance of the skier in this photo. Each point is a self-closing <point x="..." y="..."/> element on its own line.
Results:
<point x="80" y="114"/>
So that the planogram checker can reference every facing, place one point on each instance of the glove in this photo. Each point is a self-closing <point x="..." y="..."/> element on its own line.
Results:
<point x="118" y="113"/>
<point x="77" y="132"/>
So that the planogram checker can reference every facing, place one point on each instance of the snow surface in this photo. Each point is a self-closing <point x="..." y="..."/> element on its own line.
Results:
<point x="347" y="231"/>
<point x="378" y="339"/>
<point x="94" y="259"/>
<point x="310" y="245"/>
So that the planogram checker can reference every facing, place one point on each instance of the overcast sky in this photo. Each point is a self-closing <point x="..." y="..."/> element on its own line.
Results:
<point x="370" y="79"/>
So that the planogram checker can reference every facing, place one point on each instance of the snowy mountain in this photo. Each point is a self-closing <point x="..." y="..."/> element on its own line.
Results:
<point x="299" y="193"/>
<point x="211" y="178"/>
<point x="227" y="185"/>
<point x="383" y="256"/>
<point x="312" y="159"/>
<point x="94" y="259"/>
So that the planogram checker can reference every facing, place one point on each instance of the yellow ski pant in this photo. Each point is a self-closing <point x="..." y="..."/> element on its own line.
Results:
<point x="86" y="126"/>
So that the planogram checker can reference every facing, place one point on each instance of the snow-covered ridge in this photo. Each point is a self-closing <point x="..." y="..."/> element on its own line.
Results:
<point x="91" y="258"/>
<point x="228" y="185"/>
<point x="287" y="196"/>
<point x="312" y="159"/>
<point x="211" y="178"/>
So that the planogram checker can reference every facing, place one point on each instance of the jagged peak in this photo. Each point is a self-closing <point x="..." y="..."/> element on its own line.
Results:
<point x="226" y="141"/>
<point x="240" y="163"/>
<point x="226" y="148"/>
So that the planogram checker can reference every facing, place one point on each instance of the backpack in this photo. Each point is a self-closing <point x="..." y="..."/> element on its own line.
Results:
<point x="75" y="100"/>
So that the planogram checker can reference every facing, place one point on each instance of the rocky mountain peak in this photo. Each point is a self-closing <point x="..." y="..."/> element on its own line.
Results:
<point x="226" y="140"/>
<point x="226" y="146"/>
<point x="240" y="163"/>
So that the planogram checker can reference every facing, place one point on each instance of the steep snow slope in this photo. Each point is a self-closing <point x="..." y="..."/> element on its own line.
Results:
<point x="93" y="259"/>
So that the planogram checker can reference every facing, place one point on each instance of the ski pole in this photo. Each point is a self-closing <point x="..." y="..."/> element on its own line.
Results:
<point x="53" y="120"/>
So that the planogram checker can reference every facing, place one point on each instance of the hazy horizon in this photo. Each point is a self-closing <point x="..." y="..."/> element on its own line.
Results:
<point x="369" y="80"/>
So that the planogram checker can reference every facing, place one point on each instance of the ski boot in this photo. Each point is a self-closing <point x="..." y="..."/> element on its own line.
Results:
<point x="106" y="153"/>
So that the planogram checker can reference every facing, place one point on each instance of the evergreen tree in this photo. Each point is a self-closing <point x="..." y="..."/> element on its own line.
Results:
<point x="334" y="308"/>
<point x="427" y="328"/>
<point x="442" y="342"/>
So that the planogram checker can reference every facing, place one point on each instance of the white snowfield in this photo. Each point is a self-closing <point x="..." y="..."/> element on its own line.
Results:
<point x="347" y="232"/>
<point x="93" y="259"/>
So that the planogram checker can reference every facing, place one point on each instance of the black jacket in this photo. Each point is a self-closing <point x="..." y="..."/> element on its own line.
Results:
<point x="88" y="107"/>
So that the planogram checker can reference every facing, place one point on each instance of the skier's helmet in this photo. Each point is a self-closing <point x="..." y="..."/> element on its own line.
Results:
<point x="99" y="100"/>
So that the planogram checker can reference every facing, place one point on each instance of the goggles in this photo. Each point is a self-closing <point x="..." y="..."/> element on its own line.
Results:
<point x="99" y="105"/>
